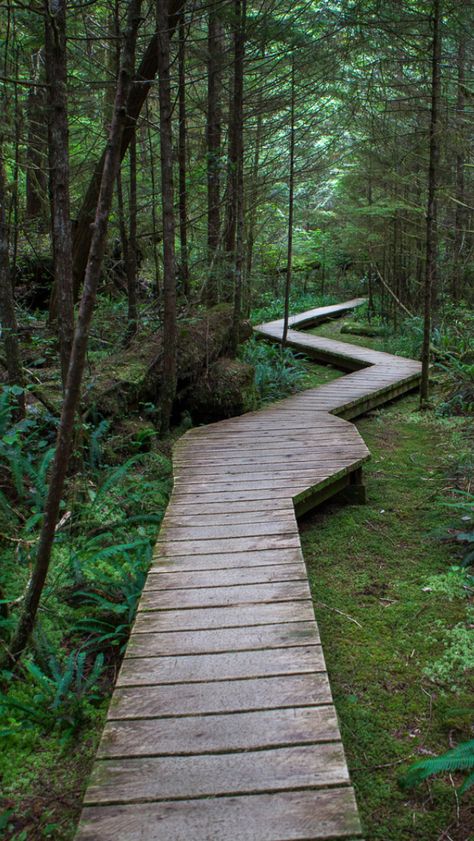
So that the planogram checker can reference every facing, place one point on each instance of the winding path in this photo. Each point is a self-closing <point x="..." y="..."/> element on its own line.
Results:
<point x="222" y="726"/>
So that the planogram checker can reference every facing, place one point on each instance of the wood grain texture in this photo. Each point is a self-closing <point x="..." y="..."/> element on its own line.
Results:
<point x="285" y="816"/>
<point x="245" y="638"/>
<point x="219" y="733"/>
<point x="265" y="693"/>
<point x="221" y="726"/>
<point x="207" y="775"/>
<point x="148" y="671"/>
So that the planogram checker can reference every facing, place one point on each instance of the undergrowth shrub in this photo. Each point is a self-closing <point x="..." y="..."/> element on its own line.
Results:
<point x="58" y="696"/>
<point x="102" y="550"/>
<point x="278" y="371"/>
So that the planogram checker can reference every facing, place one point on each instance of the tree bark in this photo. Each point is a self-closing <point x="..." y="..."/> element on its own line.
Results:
<point x="238" y="129"/>
<point x="131" y="260"/>
<point x="431" y="215"/>
<point x="214" y="119"/>
<point x="252" y="214"/>
<point x="7" y="303"/>
<point x="79" y="348"/>
<point x="460" y="214"/>
<point x="183" y="212"/>
<point x="135" y="100"/>
<point x="156" y="238"/>
<point x="289" y="264"/>
<point x="168" y="390"/>
<point x="58" y="130"/>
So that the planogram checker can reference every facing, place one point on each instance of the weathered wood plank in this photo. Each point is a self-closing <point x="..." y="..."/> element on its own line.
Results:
<point x="164" y="778"/>
<point x="174" y="579"/>
<point x="285" y="591"/>
<point x="233" y="544"/>
<point x="219" y="733"/>
<point x="224" y="560"/>
<point x="234" y="616"/>
<point x="221" y="697"/>
<point x="148" y="671"/>
<point x="285" y="816"/>
<point x="206" y="532"/>
<point x="202" y="516"/>
<point x="223" y="639"/>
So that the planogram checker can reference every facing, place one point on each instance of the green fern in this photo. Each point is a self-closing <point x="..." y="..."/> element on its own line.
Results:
<point x="461" y="758"/>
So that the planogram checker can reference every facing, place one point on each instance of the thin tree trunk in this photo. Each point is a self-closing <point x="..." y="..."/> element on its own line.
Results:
<point x="168" y="388"/>
<point x="214" y="119"/>
<point x="460" y="215"/>
<point x="156" y="258"/>
<point x="289" y="264"/>
<point x="183" y="213"/>
<point x="121" y="220"/>
<point x="230" y="218"/>
<point x="79" y="348"/>
<point x="238" y="109"/>
<point x="136" y="97"/>
<point x="253" y="201"/>
<point x="131" y="260"/>
<point x="431" y="216"/>
<point x="7" y="303"/>
<point x="58" y="127"/>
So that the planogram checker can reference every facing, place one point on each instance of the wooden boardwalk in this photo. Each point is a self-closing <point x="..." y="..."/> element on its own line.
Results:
<point x="222" y="726"/>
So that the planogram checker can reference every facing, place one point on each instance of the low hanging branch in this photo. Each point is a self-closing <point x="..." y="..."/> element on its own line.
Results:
<point x="79" y="347"/>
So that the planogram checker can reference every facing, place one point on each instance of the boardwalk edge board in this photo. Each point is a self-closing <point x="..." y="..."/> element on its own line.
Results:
<point x="222" y="724"/>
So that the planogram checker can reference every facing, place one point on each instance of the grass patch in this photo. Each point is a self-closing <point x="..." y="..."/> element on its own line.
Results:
<point x="384" y="628"/>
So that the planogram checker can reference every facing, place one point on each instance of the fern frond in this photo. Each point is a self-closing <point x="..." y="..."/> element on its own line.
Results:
<point x="461" y="758"/>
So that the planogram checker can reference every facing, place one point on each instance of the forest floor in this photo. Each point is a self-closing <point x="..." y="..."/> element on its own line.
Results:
<point x="393" y="619"/>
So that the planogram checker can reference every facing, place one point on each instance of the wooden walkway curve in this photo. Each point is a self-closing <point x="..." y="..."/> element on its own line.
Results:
<point x="222" y="726"/>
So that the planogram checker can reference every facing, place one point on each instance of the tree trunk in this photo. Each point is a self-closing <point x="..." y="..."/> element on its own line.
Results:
<point x="135" y="100"/>
<point x="7" y="303"/>
<point x="183" y="213"/>
<point x="289" y="264"/>
<point x="253" y="200"/>
<point x="238" y="117"/>
<point x="121" y="220"/>
<point x="156" y="239"/>
<point x="79" y="348"/>
<point x="58" y="128"/>
<point x="214" y="118"/>
<point x="460" y="214"/>
<point x="431" y="216"/>
<point x="131" y="260"/>
<point x="168" y="390"/>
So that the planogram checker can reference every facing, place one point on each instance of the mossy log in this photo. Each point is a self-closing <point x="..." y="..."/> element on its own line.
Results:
<point x="133" y="376"/>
